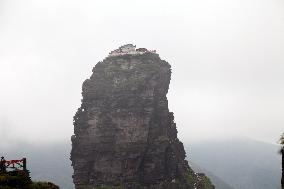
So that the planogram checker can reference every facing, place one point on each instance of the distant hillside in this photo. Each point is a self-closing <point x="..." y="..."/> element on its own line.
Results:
<point x="218" y="182"/>
<point x="243" y="163"/>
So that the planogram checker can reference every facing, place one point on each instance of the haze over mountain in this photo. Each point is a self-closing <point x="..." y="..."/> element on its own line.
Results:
<point x="227" y="58"/>
<point x="240" y="163"/>
<point x="243" y="163"/>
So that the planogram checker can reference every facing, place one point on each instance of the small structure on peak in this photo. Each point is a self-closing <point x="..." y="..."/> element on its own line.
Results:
<point x="129" y="49"/>
<point x="142" y="50"/>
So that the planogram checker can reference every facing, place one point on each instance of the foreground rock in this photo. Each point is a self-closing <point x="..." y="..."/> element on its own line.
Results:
<point x="125" y="136"/>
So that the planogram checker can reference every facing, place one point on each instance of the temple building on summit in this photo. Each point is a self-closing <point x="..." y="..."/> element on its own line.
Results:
<point x="129" y="49"/>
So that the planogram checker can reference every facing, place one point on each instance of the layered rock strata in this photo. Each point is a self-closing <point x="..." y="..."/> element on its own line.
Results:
<point x="124" y="135"/>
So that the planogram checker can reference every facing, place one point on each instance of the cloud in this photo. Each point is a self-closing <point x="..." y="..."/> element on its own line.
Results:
<point x="226" y="56"/>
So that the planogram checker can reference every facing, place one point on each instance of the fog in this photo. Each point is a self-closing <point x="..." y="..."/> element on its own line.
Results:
<point x="227" y="59"/>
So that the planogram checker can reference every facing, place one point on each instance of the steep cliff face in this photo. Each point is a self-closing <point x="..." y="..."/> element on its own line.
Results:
<point x="125" y="136"/>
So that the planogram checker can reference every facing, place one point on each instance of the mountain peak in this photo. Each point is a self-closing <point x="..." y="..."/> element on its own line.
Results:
<point x="125" y="135"/>
<point x="129" y="49"/>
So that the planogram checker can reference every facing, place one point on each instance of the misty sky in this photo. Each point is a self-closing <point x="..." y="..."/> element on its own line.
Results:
<point x="227" y="60"/>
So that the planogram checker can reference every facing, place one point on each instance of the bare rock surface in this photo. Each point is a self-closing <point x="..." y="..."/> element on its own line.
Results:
<point x="124" y="135"/>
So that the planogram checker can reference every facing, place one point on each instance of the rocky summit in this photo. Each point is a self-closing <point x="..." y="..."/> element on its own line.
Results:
<point x="124" y="135"/>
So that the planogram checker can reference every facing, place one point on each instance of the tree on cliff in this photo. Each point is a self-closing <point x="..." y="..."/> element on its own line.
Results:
<point x="281" y="141"/>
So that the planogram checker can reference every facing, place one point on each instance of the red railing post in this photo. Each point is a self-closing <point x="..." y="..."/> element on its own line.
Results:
<point x="24" y="164"/>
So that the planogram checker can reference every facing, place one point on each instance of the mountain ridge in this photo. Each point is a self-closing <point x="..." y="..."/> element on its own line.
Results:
<point x="244" y="163"/>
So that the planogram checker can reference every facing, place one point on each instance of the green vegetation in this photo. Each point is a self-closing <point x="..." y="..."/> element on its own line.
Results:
<point x="22" y="180"/>
<point x="281" y="141"/>
<point x="206" y="183"/>
<point x="43" y="185"/>
<point x="199" y="180"/>
<point x="191" y="179"/>
<point x="15" y="180"/>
